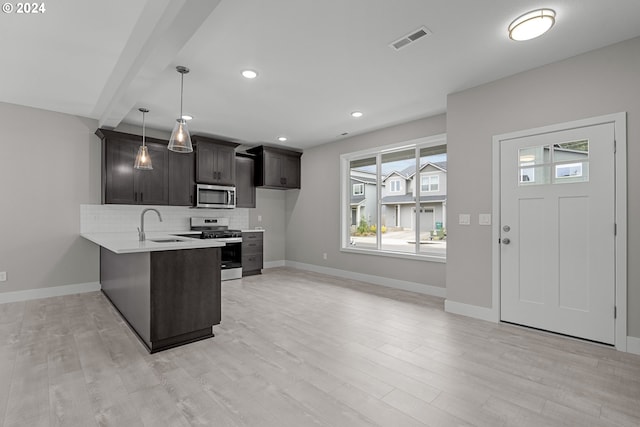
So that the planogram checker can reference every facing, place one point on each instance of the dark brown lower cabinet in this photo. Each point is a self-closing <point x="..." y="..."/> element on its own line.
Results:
<point x="169" y="298"/>
<point x="252" y="253"/>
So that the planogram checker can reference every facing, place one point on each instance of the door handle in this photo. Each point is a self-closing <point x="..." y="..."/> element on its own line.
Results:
<point x="506" y="241"/>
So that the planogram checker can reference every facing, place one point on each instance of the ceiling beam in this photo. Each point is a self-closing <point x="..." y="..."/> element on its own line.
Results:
<point x="162" y="30"/>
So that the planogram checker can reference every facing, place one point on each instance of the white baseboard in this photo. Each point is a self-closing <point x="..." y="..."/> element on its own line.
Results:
<point x="376" y="280"/>
<point x="56" y="291"/>
<point x="477" y="312"/>
<point x="273" y="264"/>
<point x="633" y="345"/>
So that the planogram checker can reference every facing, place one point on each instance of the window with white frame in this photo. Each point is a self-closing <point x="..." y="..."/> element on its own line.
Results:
<point x="395" y="185"/>
<point x="430" y="183"/>
<point x="384" y="222"/>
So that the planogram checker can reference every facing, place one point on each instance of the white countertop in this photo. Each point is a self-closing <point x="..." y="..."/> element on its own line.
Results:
<point x="126" y="243"/>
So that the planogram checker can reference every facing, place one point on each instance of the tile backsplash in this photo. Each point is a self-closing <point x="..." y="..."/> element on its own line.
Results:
<point x="123" y="218"/>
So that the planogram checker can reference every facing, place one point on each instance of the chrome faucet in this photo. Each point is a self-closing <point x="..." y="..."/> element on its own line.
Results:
<point x="141" y="235"/>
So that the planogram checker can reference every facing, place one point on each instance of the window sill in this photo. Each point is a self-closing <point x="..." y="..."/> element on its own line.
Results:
<point x="412" y="256"/>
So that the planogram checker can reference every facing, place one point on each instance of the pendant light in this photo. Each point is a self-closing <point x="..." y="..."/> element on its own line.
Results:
<point x="180" y="139"/>
<point x="143" y="160"/>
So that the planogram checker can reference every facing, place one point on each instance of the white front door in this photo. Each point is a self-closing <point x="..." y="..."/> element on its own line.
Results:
<point x="557" y="217"/>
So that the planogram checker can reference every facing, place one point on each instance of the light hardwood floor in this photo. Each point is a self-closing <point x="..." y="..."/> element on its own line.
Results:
<point x="302" y="349"/>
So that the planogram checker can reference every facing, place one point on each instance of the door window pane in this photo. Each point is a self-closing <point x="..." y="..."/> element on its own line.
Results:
<point x="533" y="165"/>
<point x="571" y="162"/>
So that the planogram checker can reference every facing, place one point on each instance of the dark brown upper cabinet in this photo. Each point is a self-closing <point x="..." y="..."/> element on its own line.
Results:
<point x="181" y="182"/>
<point x="121" y="183"/>
<point x="245" y="177"/>
<point x="215" y="161"/>
<point x="276" y="167"/>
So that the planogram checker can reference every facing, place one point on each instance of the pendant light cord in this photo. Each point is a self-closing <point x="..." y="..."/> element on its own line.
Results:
<point x="181" y="92"/>
<point x="143" y="129"/>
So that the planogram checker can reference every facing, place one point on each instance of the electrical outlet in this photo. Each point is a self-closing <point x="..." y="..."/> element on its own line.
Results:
<point x="324" y="255"/>
<point x="259" y="218"/>
<point x="464" y="219"/>
<point x="3" y="276"/>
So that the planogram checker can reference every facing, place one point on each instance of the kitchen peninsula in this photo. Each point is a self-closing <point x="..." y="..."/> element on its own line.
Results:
<point x="167" y="288"/>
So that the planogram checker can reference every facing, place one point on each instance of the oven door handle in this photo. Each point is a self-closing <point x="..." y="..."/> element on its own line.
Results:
<point x="230" y="239"/>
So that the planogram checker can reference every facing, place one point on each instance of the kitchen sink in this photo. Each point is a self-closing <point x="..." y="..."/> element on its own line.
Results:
<point x="167" y="240"/>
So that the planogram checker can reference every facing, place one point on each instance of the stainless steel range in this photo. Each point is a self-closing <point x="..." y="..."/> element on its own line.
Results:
<point x="218" y="228"/>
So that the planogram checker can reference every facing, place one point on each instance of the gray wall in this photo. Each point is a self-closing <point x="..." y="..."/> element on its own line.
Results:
<point x="313" y="213"/>
<point x="47" y="169"/>
<point x="270" y="206"/>
<point x="596" y="83"/>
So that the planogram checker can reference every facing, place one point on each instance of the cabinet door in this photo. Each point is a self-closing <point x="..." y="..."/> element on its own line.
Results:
<point x="272" y="170"/>
<point x="291" y="171"/>
<point x="153" y="184"/>
<point x="225" y="161"/>
<point x="181" y="184"/>
<point x="185" y="292"/>
<point x="120" y="185"/>
<point x="205" y="163"/>
<point x="245" y="188"/>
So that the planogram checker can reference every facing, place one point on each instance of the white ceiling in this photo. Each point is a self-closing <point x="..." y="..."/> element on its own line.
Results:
<point x="317" y="60"/>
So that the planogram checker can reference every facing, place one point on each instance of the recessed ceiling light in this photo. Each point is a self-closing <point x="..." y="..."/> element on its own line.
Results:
<point x="282" y="138"/>
<point x="532" y="24"/>
<point x="187" y="117"/>
<point x="356" y="114"/>
<point x="249" y="74"/>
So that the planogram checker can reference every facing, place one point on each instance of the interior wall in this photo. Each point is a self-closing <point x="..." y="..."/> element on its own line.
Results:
<point x="269" y="214"/>
<point x="600" y="82"/>
<point x="47" y="170"/>
<point x="313" y="213"/>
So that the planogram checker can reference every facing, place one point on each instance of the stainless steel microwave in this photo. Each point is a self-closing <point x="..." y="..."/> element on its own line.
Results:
<point x="215" y="196"/>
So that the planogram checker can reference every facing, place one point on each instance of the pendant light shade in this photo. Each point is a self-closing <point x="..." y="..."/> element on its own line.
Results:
<point x="180" y="141"/>
<point x="143" y="160"/>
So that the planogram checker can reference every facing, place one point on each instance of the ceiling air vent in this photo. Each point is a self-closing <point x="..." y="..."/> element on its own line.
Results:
<point x="413" y="36"/>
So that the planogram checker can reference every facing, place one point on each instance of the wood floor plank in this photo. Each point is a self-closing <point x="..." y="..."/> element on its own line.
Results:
<point x="304" y="349"/>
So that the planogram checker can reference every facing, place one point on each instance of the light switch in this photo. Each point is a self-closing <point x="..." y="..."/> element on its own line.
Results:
<point x="464" y="219"/>
<point x="484" y="219"/>
<point x="259" y="218"/>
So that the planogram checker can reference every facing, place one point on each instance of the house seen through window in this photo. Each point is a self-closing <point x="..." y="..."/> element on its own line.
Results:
<point x="397" y="200"/>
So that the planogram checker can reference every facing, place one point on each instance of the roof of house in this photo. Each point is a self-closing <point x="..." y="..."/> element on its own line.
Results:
<point x="363" y="180"/>
<point x="411" y="170"/>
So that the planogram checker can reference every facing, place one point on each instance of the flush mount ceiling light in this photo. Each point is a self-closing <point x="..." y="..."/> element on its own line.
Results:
<point x="143" y="160"/>
<point x="532" y="24"/>
<point x="249" y="74"/>
<point x="180" y="141"/>
<point x="356" y="114"/>
<point x="282" y="138"/>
